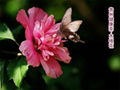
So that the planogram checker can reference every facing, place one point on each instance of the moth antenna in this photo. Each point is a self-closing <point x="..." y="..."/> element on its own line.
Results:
<point x="82" y="41"/>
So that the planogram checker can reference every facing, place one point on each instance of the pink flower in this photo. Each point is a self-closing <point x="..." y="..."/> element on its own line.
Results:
<point x="42" y="45"/>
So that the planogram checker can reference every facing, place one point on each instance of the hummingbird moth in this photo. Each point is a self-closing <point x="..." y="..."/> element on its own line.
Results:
<point x="69" y="28"/>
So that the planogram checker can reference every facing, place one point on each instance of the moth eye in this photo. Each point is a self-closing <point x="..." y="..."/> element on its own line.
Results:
<point x="71" y="36"/>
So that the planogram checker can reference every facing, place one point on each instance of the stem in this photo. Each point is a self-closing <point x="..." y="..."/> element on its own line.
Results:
<point x="16" y="42"/>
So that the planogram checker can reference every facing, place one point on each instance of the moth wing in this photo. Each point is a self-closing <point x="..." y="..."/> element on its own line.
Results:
<point x="74" y="26"/>
<point x="67" y="16"/>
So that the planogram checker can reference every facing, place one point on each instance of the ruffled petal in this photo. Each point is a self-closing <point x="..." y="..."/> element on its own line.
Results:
<point x="49" y="23"/>
<point x="35" y="14"/>
<point x="62" y="54"/>
<point x="52" y="68"/>
<point x="27" y="49"/>
<point x="37" y="30"/>
<point x="22" y="18"/>
<point x="46" y="54"/>
<point x="54" y="29"/>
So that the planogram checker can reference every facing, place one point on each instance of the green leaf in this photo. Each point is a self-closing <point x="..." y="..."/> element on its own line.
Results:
<point x="5" y="33"/>
<point x="2" y="63"/>
<point x="17" y="70"/>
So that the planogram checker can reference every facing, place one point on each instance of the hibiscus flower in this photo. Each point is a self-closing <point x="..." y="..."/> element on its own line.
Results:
<point x="43" y="44"/>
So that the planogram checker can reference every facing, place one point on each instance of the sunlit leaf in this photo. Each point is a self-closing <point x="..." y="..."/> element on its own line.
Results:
<point x="5" y="33"/>
<point x="17" y="70"/>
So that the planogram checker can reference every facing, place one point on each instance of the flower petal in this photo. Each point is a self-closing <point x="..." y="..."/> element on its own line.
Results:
<point x="46" y="54"/>
<point x="54" y="29"/>
<point x="52" y="68"/>
<point x="35" y="14"/>
<point x="49" y="22"/>
<point x="28" y="34"/>
<point x="22" y="18"/>
<point x="62" y="54"/>
<point x="27" y="49"/>
<point x="37" y="28"/>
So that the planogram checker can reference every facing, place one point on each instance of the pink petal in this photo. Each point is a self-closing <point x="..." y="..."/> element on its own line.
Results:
<point x="62" y="54"/>
<point x="36" y="14"/>
<point x="46" y="54"/>
<point x="37" y="28"/>
<point x="49" y="53"/>
<point x="44" y="19"/>
<point x="47" y="39"/>
<point x="28" y="34"/>
<point x="54" y="28"/>
<point x="22" y="18"/>
<point x="27" y="49"/>
<point x="52" y="68"/>
<point x="49" y="22"/>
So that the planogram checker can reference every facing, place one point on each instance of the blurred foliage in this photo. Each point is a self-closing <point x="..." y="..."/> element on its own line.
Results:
<point x="2" y="63"/>
<point x="93" y="65"/>
<point x="114" y="63"/>
<point x="12" y="6"/>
